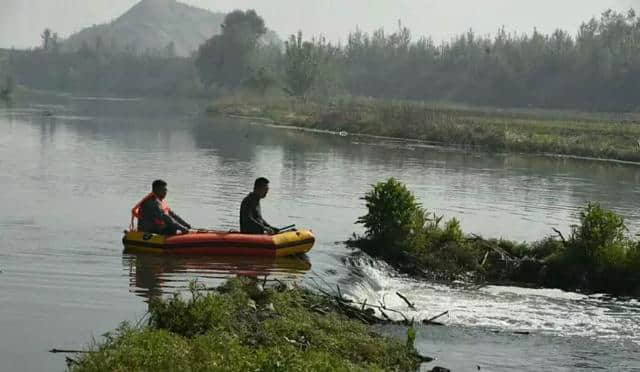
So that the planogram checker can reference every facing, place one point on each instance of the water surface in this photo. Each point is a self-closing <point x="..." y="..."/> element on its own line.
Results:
<point x="72" y="168"/>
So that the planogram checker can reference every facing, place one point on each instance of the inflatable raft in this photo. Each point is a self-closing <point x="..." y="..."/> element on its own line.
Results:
<point x="221" y="243"/>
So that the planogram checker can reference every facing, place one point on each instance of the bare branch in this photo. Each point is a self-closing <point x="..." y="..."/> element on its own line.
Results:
<point x="411" y="306"/>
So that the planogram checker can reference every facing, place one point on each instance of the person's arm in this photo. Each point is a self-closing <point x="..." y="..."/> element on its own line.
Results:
<point x="169" y="221"/>
<point x="158" y="213"/>
<point x="261" y="221"/>
<point x="179" y="219"/>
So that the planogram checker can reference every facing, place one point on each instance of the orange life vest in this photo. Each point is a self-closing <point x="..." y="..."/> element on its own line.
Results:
<point x="136" y="212"/>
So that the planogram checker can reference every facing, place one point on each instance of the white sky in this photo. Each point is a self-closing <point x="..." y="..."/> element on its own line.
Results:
<point x="22" y="21"/>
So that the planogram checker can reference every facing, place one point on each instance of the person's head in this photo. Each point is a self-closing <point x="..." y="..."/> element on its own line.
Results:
<point x="261" y="187"/>
<point x="159" y="187"/>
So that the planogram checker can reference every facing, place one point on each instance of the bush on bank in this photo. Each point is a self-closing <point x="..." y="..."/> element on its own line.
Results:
<point x="236" y="329"/>
<point x="598" y="255"/>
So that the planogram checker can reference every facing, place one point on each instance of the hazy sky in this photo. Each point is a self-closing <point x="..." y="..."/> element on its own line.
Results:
<point x="22" y="21"/>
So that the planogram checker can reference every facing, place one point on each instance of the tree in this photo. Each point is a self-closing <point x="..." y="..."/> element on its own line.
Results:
<point x="55" y="45"/>
<point x="170" y="50"/>
<point x="224" y="59"/>
<point x="46" y="38"/>
<point x="260" y="81"/>
<point x="301" y="65"/>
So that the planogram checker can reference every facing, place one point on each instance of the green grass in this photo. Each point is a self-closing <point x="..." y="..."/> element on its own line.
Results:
<point x="233" y="329"/>
<point x="600" y="135"/>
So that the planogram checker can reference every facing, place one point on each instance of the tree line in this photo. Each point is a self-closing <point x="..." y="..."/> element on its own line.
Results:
<point x="597" y="68"/>
<point x="99" y="68"/>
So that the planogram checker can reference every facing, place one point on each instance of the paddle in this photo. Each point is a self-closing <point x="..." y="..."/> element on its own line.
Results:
<point x="204" y="230"/>
<point x="286" y="228"/>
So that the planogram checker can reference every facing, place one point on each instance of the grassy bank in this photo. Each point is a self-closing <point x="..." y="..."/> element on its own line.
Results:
<point x="597" y="256"/>
<point x="241" y="327"/>
<point x="610" y="136"/>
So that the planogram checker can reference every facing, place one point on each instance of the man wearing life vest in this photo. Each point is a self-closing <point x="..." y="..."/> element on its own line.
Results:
<point x="155" y="216"/>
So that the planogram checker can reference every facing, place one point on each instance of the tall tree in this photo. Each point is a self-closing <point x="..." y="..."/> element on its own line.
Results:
<point x="302" y="62"/>
<point x="224" y="59"/>
<point x="46" y="38"/>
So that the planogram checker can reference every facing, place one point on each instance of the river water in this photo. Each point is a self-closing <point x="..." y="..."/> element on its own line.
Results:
<point x="72" y="167"/>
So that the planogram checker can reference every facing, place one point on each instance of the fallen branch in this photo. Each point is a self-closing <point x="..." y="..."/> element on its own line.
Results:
<point x="70" y="351"/>
<point x="564" y="241"/>
<point x="432" y="319"/>
<point x="411" y="306"/>
<point x="364" y="311"/>
<point x="484" y="259"/>
<point x="503" y="254"/>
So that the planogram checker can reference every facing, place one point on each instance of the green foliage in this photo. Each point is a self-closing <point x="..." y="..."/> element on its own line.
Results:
<point x="598" y="256"/>
<point x="104" y="72"/>
<point x="193" y="317"/>
<point x="225" y="59"/>
<point x="232" y="335"/>
<point x="597" y="69"/>
<point x="302" y="61"/>
<point x="600" y="235"/>
<point x="395" y="219"/>
<point x="411" y="338"/>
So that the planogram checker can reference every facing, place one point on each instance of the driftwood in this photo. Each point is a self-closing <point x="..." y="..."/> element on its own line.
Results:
<point x="503" y="254"/>
<point x="432" y="319"/>
<point x="365" y="312"/>
<point x="69" y="351"/>
<point x="411" y="306"/>
<point x="564" y="241"/>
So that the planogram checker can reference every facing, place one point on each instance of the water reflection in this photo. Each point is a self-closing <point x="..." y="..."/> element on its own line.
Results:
<point x="152" y="275"/>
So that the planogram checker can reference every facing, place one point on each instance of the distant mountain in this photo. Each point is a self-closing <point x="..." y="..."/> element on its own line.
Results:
<point x="151" y="25"/>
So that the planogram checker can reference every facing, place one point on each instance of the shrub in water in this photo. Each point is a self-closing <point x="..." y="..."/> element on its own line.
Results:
<point x="395" y="220"/>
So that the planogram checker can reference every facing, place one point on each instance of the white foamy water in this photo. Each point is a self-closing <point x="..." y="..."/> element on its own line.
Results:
<point x="504" y="308"/>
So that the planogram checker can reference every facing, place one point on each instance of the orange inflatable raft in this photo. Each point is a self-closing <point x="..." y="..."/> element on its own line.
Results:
<point x="221" y="243"/>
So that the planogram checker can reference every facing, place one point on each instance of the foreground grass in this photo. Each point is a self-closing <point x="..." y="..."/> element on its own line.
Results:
<point x="605" y="136"/>
<point x="242" y="328"/>
<point x="597" y="256"/>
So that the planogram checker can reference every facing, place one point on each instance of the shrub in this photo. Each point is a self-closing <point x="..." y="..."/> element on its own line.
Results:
<point x="600" y="237"/>
<point x="598" y="255"/>
<point x="395" y="219"/>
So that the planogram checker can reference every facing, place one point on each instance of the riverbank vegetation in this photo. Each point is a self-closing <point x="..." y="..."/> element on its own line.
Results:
<point x="595" y="69"/>
<point x="242" y="326"/>
<point x="610" y="136"/>
<point x="597" y="256"/>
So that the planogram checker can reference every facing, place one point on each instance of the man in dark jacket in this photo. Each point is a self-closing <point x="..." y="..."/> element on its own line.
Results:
<point x="251" y="221"/>
<point x="154" y="214"/>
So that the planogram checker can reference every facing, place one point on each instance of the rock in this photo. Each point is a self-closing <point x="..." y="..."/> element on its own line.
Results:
<point x="270" y="307"/>
<point x="370" y="311"/>
<point x="440" y="369"/>
<point x="425" y="358"/>
<point x="251" y="304"/>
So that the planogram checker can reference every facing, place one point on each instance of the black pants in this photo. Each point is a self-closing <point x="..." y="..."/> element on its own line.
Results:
<point x="169" y="230"/>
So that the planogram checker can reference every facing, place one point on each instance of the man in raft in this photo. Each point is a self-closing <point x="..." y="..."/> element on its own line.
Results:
<point x="155" y="216"/>
<point x="251" y="221"/>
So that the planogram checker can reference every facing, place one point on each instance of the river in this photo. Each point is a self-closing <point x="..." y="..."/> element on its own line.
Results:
<point x="72" y="167"/>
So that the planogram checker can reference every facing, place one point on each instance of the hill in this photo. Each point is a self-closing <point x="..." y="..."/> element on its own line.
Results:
<point x="151" y="25"/>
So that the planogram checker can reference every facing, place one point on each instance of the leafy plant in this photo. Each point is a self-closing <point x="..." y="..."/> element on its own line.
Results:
<point x="395" y="219"/>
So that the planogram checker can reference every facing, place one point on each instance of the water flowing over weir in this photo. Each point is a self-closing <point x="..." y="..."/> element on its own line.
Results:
<point x="70" y="177"/>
